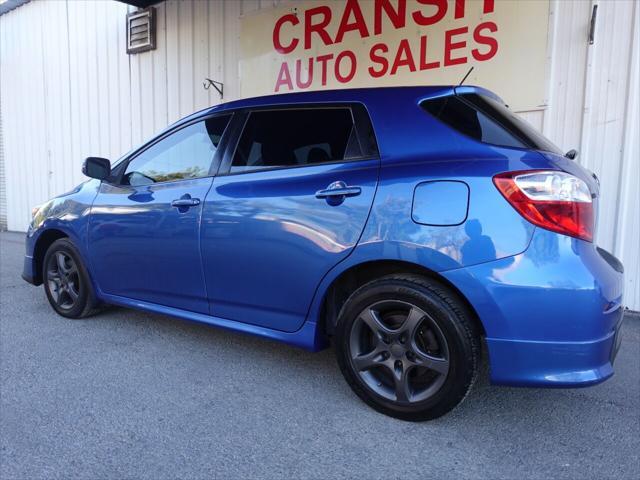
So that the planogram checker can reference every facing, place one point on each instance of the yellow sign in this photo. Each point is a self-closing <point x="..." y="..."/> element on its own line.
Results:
<point x="315" y="45"/>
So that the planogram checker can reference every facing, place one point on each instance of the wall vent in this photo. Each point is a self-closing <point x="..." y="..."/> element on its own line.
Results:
<point x="141" y="30"/>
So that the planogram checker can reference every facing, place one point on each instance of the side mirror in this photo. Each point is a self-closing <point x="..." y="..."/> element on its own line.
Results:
<point x="96" y="167"/>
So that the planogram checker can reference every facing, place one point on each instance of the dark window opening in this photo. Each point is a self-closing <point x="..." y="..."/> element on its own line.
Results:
<point x="487" y="120"/>
<point x="296" y="137"/>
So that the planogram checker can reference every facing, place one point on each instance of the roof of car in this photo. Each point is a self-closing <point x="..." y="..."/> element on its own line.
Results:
<point x="364" y="95"/>
<point x="346" y="94"/>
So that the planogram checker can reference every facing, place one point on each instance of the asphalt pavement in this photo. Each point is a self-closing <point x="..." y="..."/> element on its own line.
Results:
<point x="127" y="394"/>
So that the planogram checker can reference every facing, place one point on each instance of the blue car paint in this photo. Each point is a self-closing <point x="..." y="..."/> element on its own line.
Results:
<point x="153" y="247"/>
<point x="550" y="305"/>
<point x="267" y="241"/>
<point x="440" y="203"/>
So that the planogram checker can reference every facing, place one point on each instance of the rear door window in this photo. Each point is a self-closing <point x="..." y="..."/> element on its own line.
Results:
<point x="297" y="137"/>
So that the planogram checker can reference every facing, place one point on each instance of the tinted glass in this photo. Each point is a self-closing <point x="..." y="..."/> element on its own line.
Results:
<point x="296" y="137"/>
<point x="487" y="120"/>
<point x="501" y="114"/>
<point x="184" y="154"/>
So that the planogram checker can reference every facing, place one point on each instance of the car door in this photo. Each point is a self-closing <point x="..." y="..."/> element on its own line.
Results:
<point x="290" y="202"/>
<point x="144" y="226"/>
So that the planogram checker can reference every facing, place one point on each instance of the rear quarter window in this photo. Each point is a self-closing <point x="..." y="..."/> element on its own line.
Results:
<point x="488" y="121"/>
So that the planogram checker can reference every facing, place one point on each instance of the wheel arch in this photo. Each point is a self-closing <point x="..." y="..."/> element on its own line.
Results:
<point x="357" y="275"/>
<point x="44" y="241"/>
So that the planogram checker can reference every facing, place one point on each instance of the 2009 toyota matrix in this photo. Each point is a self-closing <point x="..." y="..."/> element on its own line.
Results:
<point x="410" y="226"/>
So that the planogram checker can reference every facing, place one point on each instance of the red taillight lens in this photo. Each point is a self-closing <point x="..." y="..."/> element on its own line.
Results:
<point x="551" y="199"/>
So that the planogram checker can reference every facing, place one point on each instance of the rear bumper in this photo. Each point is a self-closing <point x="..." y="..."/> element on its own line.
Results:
<point x="554" y="364"/>
<point x="552" y="315"/>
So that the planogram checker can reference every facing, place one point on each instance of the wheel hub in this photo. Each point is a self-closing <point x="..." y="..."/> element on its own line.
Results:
<point x="397" y="350"/>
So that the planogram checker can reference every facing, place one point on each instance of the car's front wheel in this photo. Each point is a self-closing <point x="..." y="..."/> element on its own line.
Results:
<point x="66" y="281"/>
<point x="407" y="346"/>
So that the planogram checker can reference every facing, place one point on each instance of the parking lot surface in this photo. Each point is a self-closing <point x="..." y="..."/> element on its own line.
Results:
<point x="137" y="395"/>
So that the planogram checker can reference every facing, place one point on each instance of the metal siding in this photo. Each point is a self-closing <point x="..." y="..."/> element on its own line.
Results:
<point x="3" y="193"/>
<point x="627" y="243"/>
<point x="71" y="91"/>
<point x="594" y="107"/>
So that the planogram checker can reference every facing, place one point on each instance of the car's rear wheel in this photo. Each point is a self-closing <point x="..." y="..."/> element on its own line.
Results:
<point x="407" y="346"/>
<point x="66" y="281"/>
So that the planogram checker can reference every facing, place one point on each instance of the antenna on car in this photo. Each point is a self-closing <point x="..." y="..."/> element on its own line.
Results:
<point x="465" y="77"/>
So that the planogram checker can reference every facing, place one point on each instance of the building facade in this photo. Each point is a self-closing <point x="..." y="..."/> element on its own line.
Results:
<point x="69" y="89"/>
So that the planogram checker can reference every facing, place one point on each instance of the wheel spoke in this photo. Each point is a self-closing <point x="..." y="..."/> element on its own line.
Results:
<point x="401" y="382"/>
<point x="73" y="295"/>
<point x="440" y="365"/>
<point x="53" y="275"/>
<point x="368" y="360"/>
<point x="63" y="296"/>
<point x="412" y="321"/>
<point x="371" y="318"/>
<point x="61" y="262"/>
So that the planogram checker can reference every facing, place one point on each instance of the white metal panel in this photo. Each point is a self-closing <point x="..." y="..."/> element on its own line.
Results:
<point x="534" y="117"/>
<point x="607" y="134"/>
<point x="563" y="117"/>
<point x="3" y="193"/>
<point x="605" y="107"/>
<point x="627" y="241"/>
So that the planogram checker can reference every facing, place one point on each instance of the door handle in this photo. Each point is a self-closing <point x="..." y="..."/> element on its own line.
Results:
<point x="185" y="202"/>
<point x="338" y="189"/>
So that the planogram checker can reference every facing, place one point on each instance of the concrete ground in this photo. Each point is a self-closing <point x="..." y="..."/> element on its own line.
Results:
<point x="136" y="395"/>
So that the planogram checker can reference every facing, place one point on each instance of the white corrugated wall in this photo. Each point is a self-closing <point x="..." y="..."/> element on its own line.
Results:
<point x="3" y="193"/>
<point x="68" y="90"/>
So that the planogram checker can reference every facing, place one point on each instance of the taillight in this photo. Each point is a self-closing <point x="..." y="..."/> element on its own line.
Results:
<point x="551" y="199"/>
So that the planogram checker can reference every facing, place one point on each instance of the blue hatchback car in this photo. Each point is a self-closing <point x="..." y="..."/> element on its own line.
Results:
<point x="413" y="227"/>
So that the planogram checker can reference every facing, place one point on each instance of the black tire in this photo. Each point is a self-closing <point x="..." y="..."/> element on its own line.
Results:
<point x="419" y="358"/>
<point x="66" y="281"/>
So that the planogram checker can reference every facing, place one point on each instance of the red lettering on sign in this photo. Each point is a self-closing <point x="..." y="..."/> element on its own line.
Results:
<point x="319" y="28"/>
<point x="450" y="45"/>
<point x="489" y="6"/>
<point x="481" y="39"/>
<point x="358" y="24"/>
<point x="424" y="20"/>
<point x="404" y="57"/>
<point x="284" y="77"/>
<point x="475" y="41"/>
<point x="323" y="59"/>
<point x="396" y="16"/>
<point x="352" y="57"/>
<point x="384" y="63"/>
<point x="299" y="82"/>
<point x="424" y="65"/>
<point x="276" y="34"/>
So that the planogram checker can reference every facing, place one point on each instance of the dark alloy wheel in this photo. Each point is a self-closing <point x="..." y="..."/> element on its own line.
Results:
<point x="63" y="280"/>
<point x="407" y="346"/>
<point x="66" y="281"/>
<point x="399" y="351"/>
